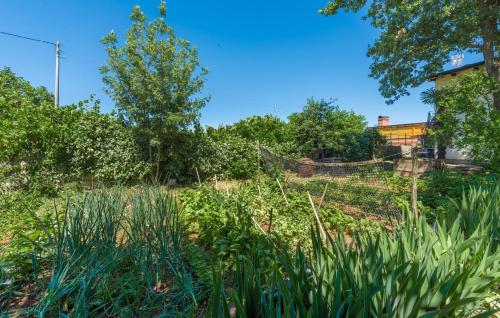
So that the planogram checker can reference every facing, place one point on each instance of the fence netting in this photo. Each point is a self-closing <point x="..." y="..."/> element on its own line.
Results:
<point x="357" y="188"/>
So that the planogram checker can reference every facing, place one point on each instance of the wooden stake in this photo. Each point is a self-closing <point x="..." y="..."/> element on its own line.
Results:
<point x="198" y="175"/>
<point x="282" y="192"/>
<point x="323" y="234"/>
<point x="258" y="226"/>
<point x="414" y="164"/>
<point x="322" y="197"/>
<point x="258" y="156"/>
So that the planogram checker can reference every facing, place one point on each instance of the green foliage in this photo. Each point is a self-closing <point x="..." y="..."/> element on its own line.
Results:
<point x="42" y="146"/>
<point x="103" y="148"/>
<point x="128" y="254"/>
<point x="321" y="124"/>
<point x="30" y="143"/>
<point x="113" y="255"/>
<point x="223" y="225"/>
<point x="477" y="210"/>
<point x="437" y="188"/>
<point x="417" y="38"/>
<point x="228" y="223"/>
<point x="155" y="82"/>
<point x="22" y="225"/>
<point x="419" y="270"/>
<point x="466" y="117"/>
<point x="356" y="194"/>
<point x="268" y="129"/>
<point x="227" y="156"/>
<point x="365" y="146"/>
<point x="265" y="130"/>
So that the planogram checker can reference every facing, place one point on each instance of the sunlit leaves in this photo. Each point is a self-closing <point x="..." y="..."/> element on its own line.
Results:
<point x="417" y="37"/>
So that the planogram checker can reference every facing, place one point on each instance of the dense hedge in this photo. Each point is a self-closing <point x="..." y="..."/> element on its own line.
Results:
<point x="42" y="146"/>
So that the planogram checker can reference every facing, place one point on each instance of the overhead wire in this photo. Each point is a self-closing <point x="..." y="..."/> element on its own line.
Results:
<point x="27" y="38"/>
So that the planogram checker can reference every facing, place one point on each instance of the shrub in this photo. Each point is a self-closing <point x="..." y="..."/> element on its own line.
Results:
<point x="104" y="148"/>
<point x="231" y="156"/>
<point x="42" y="146"/>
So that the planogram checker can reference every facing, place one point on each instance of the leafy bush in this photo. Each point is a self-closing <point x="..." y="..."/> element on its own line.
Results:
<point x="321" y="124"/>
<point x="231" y="156"/>
<point x="104" y="148"/>
<point x="21" y="227"/>
<point x="467" y="118"/>
<point x="42" y="146"/>
<point x="437" y="188"/>
<point x="223" y="225"/>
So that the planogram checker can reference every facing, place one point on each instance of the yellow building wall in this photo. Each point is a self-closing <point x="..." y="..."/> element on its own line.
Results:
<point x="444" y="79"/>
<point x="407" y="130"/>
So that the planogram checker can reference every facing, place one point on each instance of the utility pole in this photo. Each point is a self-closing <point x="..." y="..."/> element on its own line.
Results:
<point x="56" y="89"/>
<point x="57" y="45"/>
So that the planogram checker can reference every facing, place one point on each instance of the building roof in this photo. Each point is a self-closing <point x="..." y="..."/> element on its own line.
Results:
<point x="456" y="70"/>
<point x="402" y="125"/>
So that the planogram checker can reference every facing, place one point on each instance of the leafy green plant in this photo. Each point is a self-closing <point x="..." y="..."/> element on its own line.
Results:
<point x="231" y="156"/>
<point x="419" y="270"/>
<point x="111" y="254"/>
<point x="467" y="117"/>
<point x="156" y="82"/>
<point x="42" y="146"/>
<point x="223" y="224"/>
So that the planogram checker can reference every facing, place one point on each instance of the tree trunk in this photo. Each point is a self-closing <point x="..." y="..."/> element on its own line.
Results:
<point x="150" y="150"/>
<point x="488" y="12"/>
<point x="158" y="156"/>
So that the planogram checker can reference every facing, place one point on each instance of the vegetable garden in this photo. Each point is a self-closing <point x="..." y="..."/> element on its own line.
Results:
<point x="252" y="249"/>
<point x="145" y="213"/>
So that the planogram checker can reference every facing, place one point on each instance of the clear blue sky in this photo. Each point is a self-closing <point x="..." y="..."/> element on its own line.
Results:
<point x="263" y="56"/>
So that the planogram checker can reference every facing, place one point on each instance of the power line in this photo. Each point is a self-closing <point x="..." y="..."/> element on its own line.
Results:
<point x="57" y="46"/>
<point x="27" y="38"/>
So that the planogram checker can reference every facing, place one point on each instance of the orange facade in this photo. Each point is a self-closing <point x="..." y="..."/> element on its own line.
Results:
<point x="403" y="134"/>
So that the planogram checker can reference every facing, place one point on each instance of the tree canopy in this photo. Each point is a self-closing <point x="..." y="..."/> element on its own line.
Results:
<point x="155" y="80"/>
<point x="322" y="124"/>
<point x="417" y="38"/>
<point x="467" y="119"/>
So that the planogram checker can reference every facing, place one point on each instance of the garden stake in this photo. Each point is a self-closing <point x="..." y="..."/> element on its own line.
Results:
<point x="323" y="234"/>
<point x="258" y="226"/>
<point x="414" y="164"/>
<point x="197" y="175"/>
<point x="270" y="220"/>
<point x="322" y="197"/>
<point x="283" y="192"/>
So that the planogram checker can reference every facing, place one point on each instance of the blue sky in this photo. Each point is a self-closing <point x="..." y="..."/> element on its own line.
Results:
<point x="263" y="56"/>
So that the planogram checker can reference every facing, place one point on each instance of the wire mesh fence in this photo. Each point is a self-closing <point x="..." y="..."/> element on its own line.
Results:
<point x="357" y="188"/>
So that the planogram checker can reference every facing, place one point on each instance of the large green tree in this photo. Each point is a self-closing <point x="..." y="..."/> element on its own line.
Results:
<point x="418" y="36"/>
<point x="322" y="124"/>
<point x="155" y="80"/>
<point x="266" y="129"/>
<point x="467" y="119"/>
